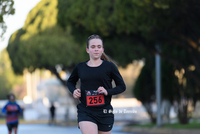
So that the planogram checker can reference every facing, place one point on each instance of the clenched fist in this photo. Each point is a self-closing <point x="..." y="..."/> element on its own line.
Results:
<point x="77" y="93"/>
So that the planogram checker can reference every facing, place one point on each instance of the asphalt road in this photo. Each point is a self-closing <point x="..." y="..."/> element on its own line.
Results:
<point x="47" y="129"/>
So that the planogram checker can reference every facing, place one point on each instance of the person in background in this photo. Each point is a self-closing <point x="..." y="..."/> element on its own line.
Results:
<point x="52" y="110"/>
<point x="12" y="111"/>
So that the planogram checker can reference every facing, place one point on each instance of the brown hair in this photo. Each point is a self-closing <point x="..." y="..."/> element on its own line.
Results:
<point x="103" y="56"/>
<point x="9" y="95"/>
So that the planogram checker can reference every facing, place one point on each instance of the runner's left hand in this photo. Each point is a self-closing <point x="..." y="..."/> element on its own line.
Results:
<point x="102" y="90"/>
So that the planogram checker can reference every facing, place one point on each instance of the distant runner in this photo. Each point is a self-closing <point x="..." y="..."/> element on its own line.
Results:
<point x="12" y="111"/>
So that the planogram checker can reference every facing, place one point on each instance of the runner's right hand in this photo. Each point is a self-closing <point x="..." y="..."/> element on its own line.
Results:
<point x="77" y="93"/>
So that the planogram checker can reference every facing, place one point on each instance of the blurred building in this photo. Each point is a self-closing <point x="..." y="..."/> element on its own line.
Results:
<point x="43" y="88"/>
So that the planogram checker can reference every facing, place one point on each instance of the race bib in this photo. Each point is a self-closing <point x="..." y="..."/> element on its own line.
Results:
<point x="94" y="98"/>
<point x="12" y="108"/>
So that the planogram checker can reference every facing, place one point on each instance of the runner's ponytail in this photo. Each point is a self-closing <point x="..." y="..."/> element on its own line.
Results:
<point x="107" y="58"/>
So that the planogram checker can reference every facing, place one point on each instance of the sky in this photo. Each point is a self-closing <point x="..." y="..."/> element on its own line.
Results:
<point x="16" y="21"/>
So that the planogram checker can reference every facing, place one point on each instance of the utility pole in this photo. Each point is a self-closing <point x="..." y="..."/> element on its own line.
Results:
<point x="158" y="86"/>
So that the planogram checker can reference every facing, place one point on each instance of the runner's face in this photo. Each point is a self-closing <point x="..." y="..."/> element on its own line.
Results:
<point x="95" y="49"/>
<point x="12" y="98"/>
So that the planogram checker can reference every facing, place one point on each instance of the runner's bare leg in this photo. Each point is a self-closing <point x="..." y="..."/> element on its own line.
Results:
<point x="15" y="130"/>
<point x="88" y="127"/>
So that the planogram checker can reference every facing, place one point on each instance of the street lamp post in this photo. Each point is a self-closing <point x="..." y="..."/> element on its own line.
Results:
<point x="158" y="86"/>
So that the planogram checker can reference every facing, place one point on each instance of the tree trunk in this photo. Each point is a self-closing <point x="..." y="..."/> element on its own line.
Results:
<point x="183" y="114"/>
<point x="150" y="112"/>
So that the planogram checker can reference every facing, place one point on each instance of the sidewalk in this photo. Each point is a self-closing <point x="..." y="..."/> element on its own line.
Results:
<point x="159" y="130"/>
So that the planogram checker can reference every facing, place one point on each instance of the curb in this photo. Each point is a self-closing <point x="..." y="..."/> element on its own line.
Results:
<point x="160" y="130"/>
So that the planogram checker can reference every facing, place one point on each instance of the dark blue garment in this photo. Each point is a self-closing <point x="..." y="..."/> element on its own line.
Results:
<point x="12" y="111"/>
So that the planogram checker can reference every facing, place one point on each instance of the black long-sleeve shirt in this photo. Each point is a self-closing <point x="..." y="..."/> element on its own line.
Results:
<point x="92" y="78"/>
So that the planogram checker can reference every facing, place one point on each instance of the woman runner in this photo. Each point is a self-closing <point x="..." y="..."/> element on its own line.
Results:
<point x="95" y="114"/>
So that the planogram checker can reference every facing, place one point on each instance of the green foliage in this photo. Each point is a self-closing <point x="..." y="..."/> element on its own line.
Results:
<point x="80" y="13"/>
<point x="53" y="47"/>
<point x="43" y="44"/>
<point x="143" y="22"/>
<point x="45" y="50"/>
<point x="6" y="8"/>
<point x="14" y="51"/>
<point x="144" y="89"/>
<point x="128" y="27"/>
<point x="171" y="88"/>
<point x="40" y="43"/>
<point x="7" y="77"/>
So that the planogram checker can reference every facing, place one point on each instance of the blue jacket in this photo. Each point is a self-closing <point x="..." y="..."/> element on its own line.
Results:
<point x="12" y="111"/>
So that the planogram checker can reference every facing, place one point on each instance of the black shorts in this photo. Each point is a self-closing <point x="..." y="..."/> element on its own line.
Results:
<point x="103" y="117"/>
<point x="11" y="126"/>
